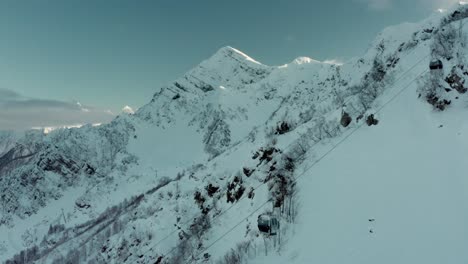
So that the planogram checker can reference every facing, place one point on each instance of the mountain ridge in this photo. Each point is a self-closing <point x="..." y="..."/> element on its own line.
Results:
<point x="198" y="134"/>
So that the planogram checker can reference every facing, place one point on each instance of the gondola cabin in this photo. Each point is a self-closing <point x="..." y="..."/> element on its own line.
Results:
<point x="268" y="224"/>
<point x="436" y="65"/>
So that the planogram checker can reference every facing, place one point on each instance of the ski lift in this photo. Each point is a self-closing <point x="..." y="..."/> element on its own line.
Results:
<point x="268" y="224"/>
<point x="436" y="65"/>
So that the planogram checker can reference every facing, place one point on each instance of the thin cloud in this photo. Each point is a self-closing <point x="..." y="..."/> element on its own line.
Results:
<point x="439" y="4"/>
<point x="290" y="38"/>
<point x="378" y="5"/>
<point x="381" y="5"/>
<point x="334" y="61"/>
<point x="18" y="112"/>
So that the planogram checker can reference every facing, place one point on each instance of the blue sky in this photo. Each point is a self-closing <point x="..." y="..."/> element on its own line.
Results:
<point x="109" y="54"/>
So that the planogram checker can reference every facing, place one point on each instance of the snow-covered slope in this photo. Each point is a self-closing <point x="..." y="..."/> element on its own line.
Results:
<point x="7" y="141"/>
<point x="392" y="193"/>
<point x="184" y="179"/>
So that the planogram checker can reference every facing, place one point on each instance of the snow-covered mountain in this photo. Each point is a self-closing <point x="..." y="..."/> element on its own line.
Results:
<point x="359" y="163"/>
<point x="7" y="141"/>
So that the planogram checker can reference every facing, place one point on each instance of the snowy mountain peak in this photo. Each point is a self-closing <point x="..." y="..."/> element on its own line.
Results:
<point x="228" y="68"/>
<point x="304" y="60"/>
<point x="230" y="52"/>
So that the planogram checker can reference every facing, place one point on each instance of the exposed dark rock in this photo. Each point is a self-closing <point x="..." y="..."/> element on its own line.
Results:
<point x="428" y="30"/>
<point x="89" y="170"/>
<point x="392" y="61"/>
<point x="437" y="102"/>
<point x="247" y="172"/>
<point x="251" y="193"/>
<point x="199" y="199"/>
<point x="178" y="85"/>
<point x="206" y="88"/>
<point x="289" y="164"/>
<point x="272" y="167"/>
<point x="82" y="205"/>
<point x="359" y="117"/>
<point x="371" y="120"/>
<point x="282" y="128"/>
<point x="456" y="82"/>
<point x="265" y="154"/>
<point x="58" y="164"/>
<point x="159" y="260"/>
<point x="211" y="189"/>
<point x="235" y="190"/>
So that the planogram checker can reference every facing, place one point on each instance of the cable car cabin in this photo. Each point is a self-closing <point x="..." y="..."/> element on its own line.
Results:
<point x="436" y="65"/>
<point x="268" y="224"/>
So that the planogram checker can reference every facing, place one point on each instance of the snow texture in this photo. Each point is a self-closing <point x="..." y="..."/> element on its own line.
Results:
<point x="360" y="163"/>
